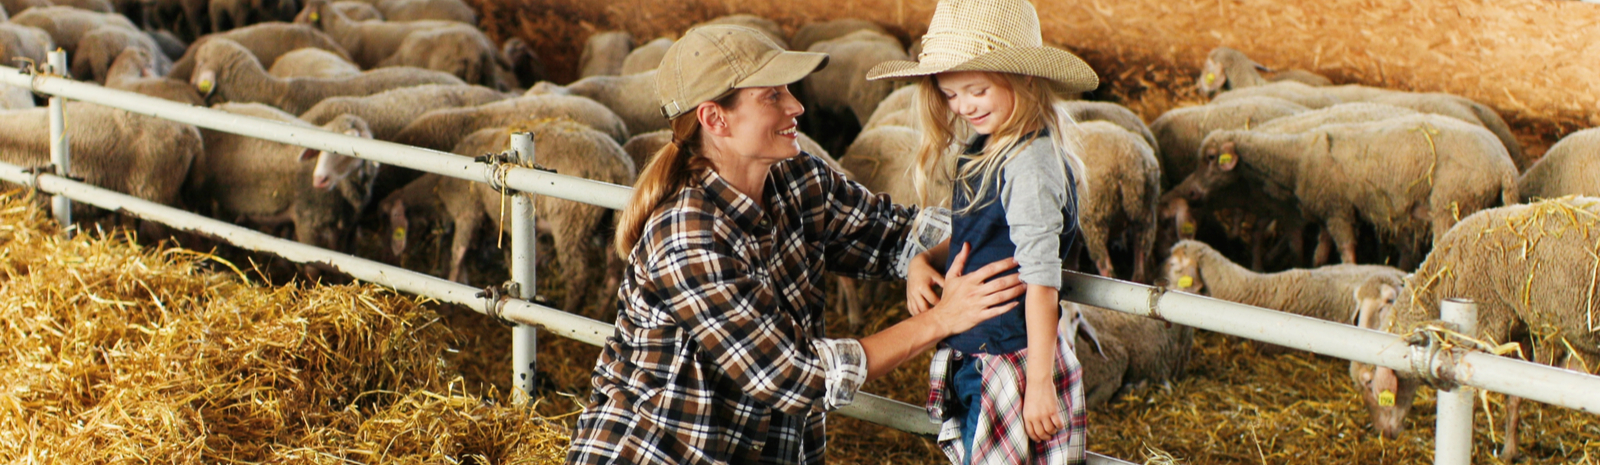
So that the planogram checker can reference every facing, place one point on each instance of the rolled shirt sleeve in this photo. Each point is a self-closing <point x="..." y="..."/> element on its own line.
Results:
<point x="1034" y="196"/>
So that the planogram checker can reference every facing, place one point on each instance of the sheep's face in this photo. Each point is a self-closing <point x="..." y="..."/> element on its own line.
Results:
<point x="1183" y="269"/>
<point x="1388" y="396"/>
<point x="1215" y="170"/>
<point x="1211" y="78"/>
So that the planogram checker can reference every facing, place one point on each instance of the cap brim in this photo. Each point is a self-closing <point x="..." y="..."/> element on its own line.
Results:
<point x="1067" y="70"/>
<point x="784" y="69"/>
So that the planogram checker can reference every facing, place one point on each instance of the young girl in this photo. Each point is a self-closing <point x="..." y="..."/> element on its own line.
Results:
<point x="984" y="70"/>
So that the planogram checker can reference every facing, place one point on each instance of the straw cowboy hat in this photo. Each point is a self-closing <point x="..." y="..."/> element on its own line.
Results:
<point x="990" y="35"/>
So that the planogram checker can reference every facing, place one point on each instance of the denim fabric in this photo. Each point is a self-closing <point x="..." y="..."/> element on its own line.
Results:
<point x="968" y="387"/>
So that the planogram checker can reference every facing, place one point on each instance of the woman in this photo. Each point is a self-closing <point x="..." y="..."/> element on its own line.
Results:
<point x="719" y="355"/>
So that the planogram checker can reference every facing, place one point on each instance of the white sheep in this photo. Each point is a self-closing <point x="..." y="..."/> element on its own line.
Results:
<point x="632" y="97"/>
<point x="67" y="25"/>
<point x="1228" y="69"/>
<point x="418" y="10"/>
<point x="226" y="72"/>
<point x="812" y="33"/>
<point x="1529" y="268"/>
<point x="442" y="129"/>
<point x="267" y="41"/>
<point x="390" y="111"/>
<point x="1411" y="177"/>
<point x="842" y="87"/>
<point x="312" y="62"/>
<point x="369" y="43"/>
<point x="579" y="230"/>
<point x="1121" y="352"/>
<point x="268" y="184"/>
<point x="134" y="71"/>
<point x="603" y="53"/>
<point x="138" y="155"/>
<point x="461" y="50"/>
<point x="97" y="49"/>
<point x="645" y="57"/>
<point x="1328" y="293"/>
<point x="24" y="42"/>
<point x="1117" y="194"/>
<point x="1571" y="167"/>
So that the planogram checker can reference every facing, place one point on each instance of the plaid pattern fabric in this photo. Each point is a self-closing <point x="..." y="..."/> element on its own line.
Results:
<point x="1001" y="438"/>
<point x="719" y="356"/>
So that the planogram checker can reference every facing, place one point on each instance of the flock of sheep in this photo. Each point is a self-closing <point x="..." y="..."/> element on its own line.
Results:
<point x="1273" y="162"/>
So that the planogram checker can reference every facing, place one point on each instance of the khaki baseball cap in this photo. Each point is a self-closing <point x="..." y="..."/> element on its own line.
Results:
<point x="711" y="60"/>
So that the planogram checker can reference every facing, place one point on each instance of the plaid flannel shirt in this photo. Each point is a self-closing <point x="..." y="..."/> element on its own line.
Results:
<point x="719" y="355"/>
<point x="1001" y="436"/>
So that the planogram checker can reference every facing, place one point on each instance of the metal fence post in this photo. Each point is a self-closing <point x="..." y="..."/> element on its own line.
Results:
<point x="60" y="205"/>
<point x="524" y="242"/>
<point x="1453" y="430"/>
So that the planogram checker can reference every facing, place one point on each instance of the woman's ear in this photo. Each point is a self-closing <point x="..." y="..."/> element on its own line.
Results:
<point x="712" y="119"/>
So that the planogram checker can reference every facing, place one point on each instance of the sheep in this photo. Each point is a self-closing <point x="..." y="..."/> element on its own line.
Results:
<point x="604" y="53"/>
<point x="359" y="11"/>
<point x="643" y="147"/>
<point x="842" y="86"/>
<point x="460" y="50"/>
<point x="419" y="10"/>
<point x="1529" y="270"/>
<point x="227" y="72"/>
<point x="16" y="7"/>
<point x="812" y="33"/>
<point x="1179" y="131"/>
<point x="98" y="6"/>
<point x="763" y="25"/>
<point x="1117" y="194"/>
<point x="1343" y="113"/>
<point x="565" y="146"/>
<point x="894" y="110"/>
<point x="1411" y="177"/>
<point x="134" y="71"/>
<point x="67" y="25"/>
<point x="525" y="65"/>
<point x="312" y="62"/>
<point x="1121" y="352"/>
<point x="1081" y="110"/>
<point x="269" y="184"/>
<point x="138" y="155"/>
<point x="645" y="57"/>
<point x="1438" y="103"/>
<point x="97" y="49"/>
<point x="369" y="43"/>
<point x="1228" y="69"/>
<point x="443" y="128"/>
<point x="15" y="98"/>
<point x="168" y="43"/>
<point x="387" y="112"/>
<point x="1568" y="168"/>
<point x="267" y="41"/>
<point x="632" y="97"/>
<point x="1326" y="293"/>
<point x="24" y="42"/>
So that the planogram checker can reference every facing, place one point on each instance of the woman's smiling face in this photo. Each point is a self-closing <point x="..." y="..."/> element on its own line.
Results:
<point x="762" y="123"/>
<point x="982" y="99"/>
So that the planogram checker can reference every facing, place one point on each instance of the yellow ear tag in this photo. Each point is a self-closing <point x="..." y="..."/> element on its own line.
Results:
<point x="1226" y="158"/>
<point x="400" y="234"/>
<point x="1186" y="228"/>
<point x="1186" y="282"/>
<point x="1210" y="77"/>
<point x="1386" y="398"/>
<point x="205" y="86"/>
<point x="315" y="16"/>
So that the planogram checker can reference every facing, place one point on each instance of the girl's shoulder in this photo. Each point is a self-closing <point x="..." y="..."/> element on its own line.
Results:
<point x="1036" y="154"/>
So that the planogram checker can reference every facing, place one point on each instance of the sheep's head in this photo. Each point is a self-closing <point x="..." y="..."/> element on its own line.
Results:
<point x="1388" y="396"/>
<point x="1176" y="209"/>
<point x="1211" y="78"/>
<point x="334" y="167"/>
<point x="1215" y="169"/>
<point x="317" y="13"/>
<point x="1183" y="267"/>
<point x="219" y="60"/>
<point x="132" y="63"/>
<point x="396" y="210"/>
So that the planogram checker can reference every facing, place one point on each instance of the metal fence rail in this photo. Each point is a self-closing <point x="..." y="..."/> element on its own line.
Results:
<point x="1535" y="382"/>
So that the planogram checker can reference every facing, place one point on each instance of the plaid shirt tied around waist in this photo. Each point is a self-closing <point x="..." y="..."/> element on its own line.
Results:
<point x="719" y="355"/>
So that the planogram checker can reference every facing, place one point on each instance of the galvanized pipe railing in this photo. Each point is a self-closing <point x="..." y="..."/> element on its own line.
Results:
<point x="1452" y="434"/>
<point x="59" y="146"/>
<point x="524" y="338"/>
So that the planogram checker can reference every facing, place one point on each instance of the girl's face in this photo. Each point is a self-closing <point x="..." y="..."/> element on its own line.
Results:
<point x="761" y="124"/>
<point x="982" y="99"/>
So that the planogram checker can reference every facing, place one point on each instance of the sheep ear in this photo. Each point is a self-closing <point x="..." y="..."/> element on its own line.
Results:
<point x="1229" y="157"/>
<point x="310" y="154"/>
<point x="1260" y="67"/>
<point x="206" y="82"/>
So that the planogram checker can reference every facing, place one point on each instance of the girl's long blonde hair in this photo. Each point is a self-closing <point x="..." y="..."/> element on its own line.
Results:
<point x="1035" y="106"/>
<point x="668" y="172"/>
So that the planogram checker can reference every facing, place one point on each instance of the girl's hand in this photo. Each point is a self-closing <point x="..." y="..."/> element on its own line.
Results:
<point x="1041" y="410"/>
<point x="921" y="277"/>
<point x="973" y="298"/>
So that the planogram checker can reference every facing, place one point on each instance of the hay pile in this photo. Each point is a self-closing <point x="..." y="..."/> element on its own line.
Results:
<point x="114" y="351"/>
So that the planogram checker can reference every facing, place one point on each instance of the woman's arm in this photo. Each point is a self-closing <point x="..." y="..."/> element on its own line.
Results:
<point x="1041" y="409"/>
<point x="969" y="299"/>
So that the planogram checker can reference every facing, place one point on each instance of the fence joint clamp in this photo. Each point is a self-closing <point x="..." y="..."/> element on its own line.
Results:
<point x="494" y="300"/>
